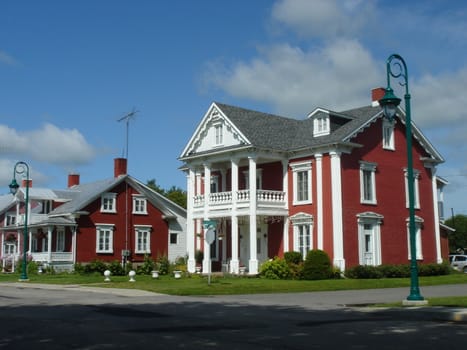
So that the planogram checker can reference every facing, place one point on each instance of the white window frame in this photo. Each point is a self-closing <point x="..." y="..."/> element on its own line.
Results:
<point x="302" y="167"/>
<point x="214" y="184"/>
<point x="10" y="219"/>
<point x="321" y="126"/>
<point x="367" y="168"/>
<point x="418" y="238"/>
<point x="374" y="221"/>
<point x="105" y="229"/>
<point x="60" y="240"/>
<point x="109" y="203"/>
<point x="416" y="190"/>
<point x="219" y="131"/>
<point x="143" y="233"/>
<point x="140" y="205"/>
<point x="302" y="226"/>
<point x="388" y="135"/>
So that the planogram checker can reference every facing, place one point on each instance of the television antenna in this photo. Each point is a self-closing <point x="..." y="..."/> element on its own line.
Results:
<point x="127" y="117"/>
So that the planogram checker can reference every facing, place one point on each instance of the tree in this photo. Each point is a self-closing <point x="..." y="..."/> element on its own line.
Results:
<point x="457" y="239"/>
<point x="175" y="194"/>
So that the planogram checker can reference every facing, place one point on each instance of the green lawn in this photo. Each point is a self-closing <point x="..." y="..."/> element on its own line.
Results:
<point x="198" y="285"/>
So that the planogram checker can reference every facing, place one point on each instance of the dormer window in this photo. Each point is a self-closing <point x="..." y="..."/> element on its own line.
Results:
<point x="321" y="126"/>
<point x="139" y="205"/>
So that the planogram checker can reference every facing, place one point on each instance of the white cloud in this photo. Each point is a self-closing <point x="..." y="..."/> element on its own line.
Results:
<point x="323" y="18"/>
<point x="7" y="59"/>
<point x="62" y="147"/>
<point x="338" y="76"/>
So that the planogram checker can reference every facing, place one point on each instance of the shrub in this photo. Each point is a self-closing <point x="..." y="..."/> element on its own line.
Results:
<point x="147" y="266"/>
<point x="317" y="265"/>
<point x="116" y="268"/>
<point x="293" y="258"/>
<point x="162" y="264"/>
<point x="394" y="271"/>
<point x="434" y="269"/>
<point x="276" y="269"/>
<point x="363" y="272"/>
<point x="95" y="266"/>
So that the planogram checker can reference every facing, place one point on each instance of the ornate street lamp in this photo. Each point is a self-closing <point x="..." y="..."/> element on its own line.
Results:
<point x="22" y="168"/>
<point x="389" y="103"/>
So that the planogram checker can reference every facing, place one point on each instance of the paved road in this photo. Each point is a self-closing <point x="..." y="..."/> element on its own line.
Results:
<point x="73" y="317"/>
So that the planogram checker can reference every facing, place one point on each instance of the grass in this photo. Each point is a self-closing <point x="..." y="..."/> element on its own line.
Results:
<point x="198" y="285"/>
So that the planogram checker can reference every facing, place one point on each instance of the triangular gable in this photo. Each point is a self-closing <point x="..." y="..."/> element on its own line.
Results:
<point x="215" y="131"/>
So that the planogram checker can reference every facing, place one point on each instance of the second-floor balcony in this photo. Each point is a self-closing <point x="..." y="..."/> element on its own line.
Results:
<point x="222" y="203"/>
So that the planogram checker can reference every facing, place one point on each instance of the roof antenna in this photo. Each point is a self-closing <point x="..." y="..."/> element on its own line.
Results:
<point x="127" y="118"/>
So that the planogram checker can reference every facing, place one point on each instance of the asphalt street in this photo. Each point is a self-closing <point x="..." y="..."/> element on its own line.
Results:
<point x="72" y="317"/>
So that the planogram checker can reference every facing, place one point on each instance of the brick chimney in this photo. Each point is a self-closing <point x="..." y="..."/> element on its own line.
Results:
<point x="376" y="95"/>
<point x="25" y="182"/>
<point x="120" y="166"/>
<point x="73" y="180"/>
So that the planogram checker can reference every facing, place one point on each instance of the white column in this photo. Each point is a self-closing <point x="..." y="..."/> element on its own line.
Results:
<point x="285" y="188"/>
<point x="207" y="193"/>
<point x="190" y="223"/>
<point x="439" y="257"/>
<point x="337" y="224"/>
<point x="234" y="263"/>
<point x="253" y="262"/>
<point x="319" y="200"/>
<point x="49" y="244"/>
<point x="73" y="243"/>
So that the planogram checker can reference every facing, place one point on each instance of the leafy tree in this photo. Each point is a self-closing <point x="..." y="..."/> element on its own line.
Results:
<point x="457" y="239"/>
<point x="175" y="194"/>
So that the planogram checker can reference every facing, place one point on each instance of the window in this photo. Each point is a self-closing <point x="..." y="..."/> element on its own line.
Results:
<point x="259" y="178"/>
<point x="388" y="134"/>
<point x="45" y="244"/>
<point x="10" y="219"/>
<point x="321" y="126"/>
<point x="302" y="229"/>
<point x="418" y="238"/>
<point x="139" y="205"/>
<point x="104" y="239"/>
<point x="108" y="203"/>
<point x="219" y="134"/>
<point x="369" y="238"/>
<point x="60" y="240"/>
<point x="416" y="175"/>
<point x="367" y="183"/>
<point x="173" y="238"/>
<point x="143" y="240"/>
<point x="302" y="182"/>
<point x="214" y="184"/>
<point x="46" y="206"/>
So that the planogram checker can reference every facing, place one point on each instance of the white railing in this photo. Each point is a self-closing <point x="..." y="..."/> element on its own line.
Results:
<point x="55" y="256"/>
<point x="268" y="197"/>
<point x="32" y="219"/>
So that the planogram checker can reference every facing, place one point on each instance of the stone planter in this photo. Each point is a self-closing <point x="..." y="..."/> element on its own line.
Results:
<point x="155" y="274"/>
<point x="178" y="274"/>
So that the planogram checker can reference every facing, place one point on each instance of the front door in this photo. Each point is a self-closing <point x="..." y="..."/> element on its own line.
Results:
<point x="261" y="244"/>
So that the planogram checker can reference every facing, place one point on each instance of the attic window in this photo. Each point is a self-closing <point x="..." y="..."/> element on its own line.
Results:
<point x="388" y="135"/>
<point x="219" y="134"/>
<point x="321" y="126"/>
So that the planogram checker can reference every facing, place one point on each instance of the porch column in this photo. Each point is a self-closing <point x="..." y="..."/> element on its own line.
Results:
<point x="234" y="263"/>
<point x="439" y="258"/>
<point x="49" y="244"/>
<point x="285" y="188"/>
<point x="207" y="194"/>
<point x="73" y="243"/>
<point x="319" y="199"/>
<point x="253" y="262"/>
<point x="190" y="236"/>
<point x="197" y="222"/>
<point x="337" y="226"/>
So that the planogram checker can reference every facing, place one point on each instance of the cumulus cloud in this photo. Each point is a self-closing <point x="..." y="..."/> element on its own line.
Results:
<point x="294" y="81"/>
<point x="50" y="144"/>
<point x="323" y="18"/>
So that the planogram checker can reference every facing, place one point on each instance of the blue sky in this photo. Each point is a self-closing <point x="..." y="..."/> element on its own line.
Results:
<point x="70" y="69"/>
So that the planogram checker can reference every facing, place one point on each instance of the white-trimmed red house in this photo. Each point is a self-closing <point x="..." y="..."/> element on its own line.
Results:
<point x="334" y="181"/>
<point x="118" y="218"/>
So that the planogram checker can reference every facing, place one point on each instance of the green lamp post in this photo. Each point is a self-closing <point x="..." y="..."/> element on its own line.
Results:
<point x="22" y="168"/>
<point x="389" y="103"/>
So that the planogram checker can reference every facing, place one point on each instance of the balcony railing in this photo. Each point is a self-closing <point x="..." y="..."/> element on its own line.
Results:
<point x="263" y="197"/>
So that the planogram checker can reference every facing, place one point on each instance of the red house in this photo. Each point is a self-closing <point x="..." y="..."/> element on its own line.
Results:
<point x="118" y="218"/>
<point x="334" y="181"/>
